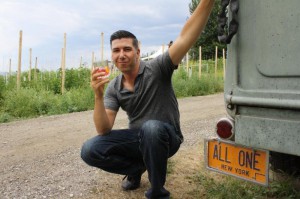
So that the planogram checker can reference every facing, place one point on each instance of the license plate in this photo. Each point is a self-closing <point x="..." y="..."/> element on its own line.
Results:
<point x="229" y="158"/>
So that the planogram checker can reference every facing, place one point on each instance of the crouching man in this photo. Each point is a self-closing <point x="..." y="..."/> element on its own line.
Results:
<point x="144" y="90"/>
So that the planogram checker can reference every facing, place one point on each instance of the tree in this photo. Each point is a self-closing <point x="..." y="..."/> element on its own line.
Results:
<point x="209" y="37"/>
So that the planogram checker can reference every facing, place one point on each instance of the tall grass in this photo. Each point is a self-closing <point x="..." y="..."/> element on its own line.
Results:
<point x="187" y="82"/>
<point x="41" y="96"/>
<point x="28" y="102"/>
<point x="193" y="86"/>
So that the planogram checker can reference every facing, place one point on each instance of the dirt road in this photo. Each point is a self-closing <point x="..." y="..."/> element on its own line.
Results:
<point x="40" y="157"/>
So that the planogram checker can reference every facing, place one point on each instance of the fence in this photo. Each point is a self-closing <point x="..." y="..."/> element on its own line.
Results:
<point x="22" y="78"/>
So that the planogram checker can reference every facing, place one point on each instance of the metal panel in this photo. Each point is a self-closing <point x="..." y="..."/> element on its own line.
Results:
<point x="264" y="55"/>
<point x="271" y="134"/>
<point x="263" y="71"/>
<point x="277" y="48"/>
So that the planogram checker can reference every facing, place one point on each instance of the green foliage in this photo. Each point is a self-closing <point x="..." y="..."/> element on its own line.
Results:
<point x="194" y="86"/>
<point x="209" y="37"/>
<point x="2" y="86"/>
<point x="76" y="78"/>
<point x="76" y="100"/>
<point x="5" y="117"/>
<point x="42" y="94"/>
<point x="28" y="102"/>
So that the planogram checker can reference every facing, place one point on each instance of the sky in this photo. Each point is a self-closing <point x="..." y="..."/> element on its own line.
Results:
<point x="44" y="22"/>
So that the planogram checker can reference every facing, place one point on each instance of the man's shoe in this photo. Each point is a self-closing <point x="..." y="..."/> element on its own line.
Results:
<point x="131" y="182"/>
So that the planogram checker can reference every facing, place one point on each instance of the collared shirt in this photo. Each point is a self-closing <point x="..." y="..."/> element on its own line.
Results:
<point x="153" y="97"/>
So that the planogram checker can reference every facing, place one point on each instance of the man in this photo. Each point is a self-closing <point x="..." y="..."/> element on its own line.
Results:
<point x="144" y="90"/>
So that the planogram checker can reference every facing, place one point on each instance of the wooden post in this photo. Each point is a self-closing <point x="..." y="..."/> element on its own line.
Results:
<point x="102" y="46"/>
<point x="200" y="62"/>
<point x="224" y="63"/>
<point x="35" y="69"/>
<point x="62" y="58"/>
<point x="9" y="69"/>
<point x="19" y="62"/>
<point x="187" y="61"/>
<point x="216" y="61"/>
<point x="80" y="62"/>
<point x="61" y="67"/>
<point x="29" y="72"/>
<point x="63" y="72"/>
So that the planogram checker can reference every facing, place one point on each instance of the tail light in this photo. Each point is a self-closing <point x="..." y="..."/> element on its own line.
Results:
<point x="225" y="129"/>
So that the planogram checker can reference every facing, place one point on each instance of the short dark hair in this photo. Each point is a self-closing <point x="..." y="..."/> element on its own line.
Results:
<point x="124" y="34"/>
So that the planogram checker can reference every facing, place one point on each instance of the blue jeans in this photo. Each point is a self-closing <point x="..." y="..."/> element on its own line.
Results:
<point x="129" y="151"/>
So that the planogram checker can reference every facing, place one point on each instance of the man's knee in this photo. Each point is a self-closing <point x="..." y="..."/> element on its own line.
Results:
<point x="153" y="130"/>
<point x="90" y="151"/>
<point x="86" y="151"/>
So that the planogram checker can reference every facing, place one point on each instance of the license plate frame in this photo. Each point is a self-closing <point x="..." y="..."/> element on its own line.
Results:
<point x="243" y="162"/>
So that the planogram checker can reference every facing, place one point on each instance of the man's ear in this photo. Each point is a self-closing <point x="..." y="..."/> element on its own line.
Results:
<point x="138" y="52"/>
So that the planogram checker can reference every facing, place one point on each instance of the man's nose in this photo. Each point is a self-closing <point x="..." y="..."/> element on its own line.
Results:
<point x="122" y="55"/>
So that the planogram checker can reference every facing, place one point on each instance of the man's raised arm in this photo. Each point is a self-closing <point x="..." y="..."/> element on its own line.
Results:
<point x="191" y="31"/>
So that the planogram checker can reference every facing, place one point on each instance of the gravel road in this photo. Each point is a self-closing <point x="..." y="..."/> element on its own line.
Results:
<point x="40" y="157"/>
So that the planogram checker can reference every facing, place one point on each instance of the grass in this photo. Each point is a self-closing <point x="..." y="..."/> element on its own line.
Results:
<point x="29" y="103"/>
<point x="185" y="86"/>
<point x="42" y="96"/>
<point x="170" y="166"/>
<point x="223" y="187"/>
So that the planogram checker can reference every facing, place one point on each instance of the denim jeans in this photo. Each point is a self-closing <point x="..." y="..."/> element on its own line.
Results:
<point x="129" y="151"/>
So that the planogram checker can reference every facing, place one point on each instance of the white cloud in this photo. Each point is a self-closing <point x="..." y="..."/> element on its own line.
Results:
<point x="44" y="22"/>
<point x="39" y="22"/>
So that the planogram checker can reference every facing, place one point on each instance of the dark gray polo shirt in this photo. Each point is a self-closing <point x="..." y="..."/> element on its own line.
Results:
<point x="153" y="97"/>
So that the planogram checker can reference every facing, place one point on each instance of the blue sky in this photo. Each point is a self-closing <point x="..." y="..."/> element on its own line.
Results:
<point x="44" y="23"/>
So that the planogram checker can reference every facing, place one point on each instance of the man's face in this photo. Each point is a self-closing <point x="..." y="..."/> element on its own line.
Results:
<point x="124" y="55"/>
